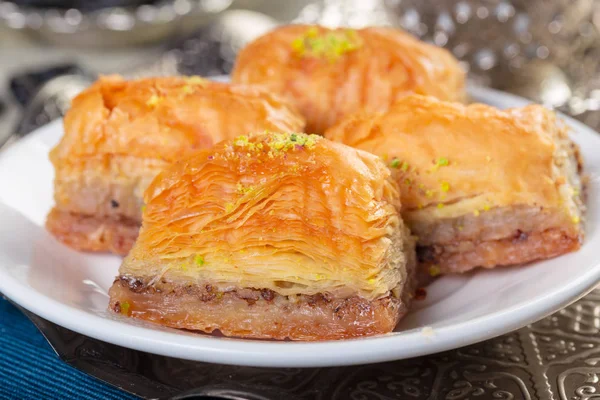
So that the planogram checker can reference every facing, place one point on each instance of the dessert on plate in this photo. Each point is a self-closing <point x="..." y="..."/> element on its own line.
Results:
<point x="275" y="235"/>
<point x="119" y="134"/>
<point x="329" y="73"/>
<point x="479" y="186"/>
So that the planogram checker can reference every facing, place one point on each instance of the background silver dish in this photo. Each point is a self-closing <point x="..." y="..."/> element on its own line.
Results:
<point x="113" y="26"/>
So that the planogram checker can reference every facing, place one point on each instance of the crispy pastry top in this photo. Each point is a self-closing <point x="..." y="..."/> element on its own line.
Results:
<point x="330" y="73"/>
<point x="294" y="213"/>
<point x="451" y="159"/>
<point x="162" y="118"/>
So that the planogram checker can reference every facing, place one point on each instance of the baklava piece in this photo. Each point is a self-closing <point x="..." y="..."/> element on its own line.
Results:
<point x="329" y="73"/>
<point x="119" y="134"/>
<point x="274" y="236"/>
<point x="479" y="186"/>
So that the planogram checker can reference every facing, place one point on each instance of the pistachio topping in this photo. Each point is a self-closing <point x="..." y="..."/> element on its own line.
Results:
<point x="153" y="101"/>
<point x="440" y="162"/>
<point x="281" y="141"/>
<point x="241" y="189"/>
<point x="277" y="144"/>
<point x="326" y="44"/>
<point x="125" y="308"/>
<point x="199" y="260"/>
<point x="241" y="141"/>
<point x="434" y="270"/>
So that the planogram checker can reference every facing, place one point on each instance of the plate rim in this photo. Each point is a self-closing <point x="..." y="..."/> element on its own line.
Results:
<point x="260" y="353"/>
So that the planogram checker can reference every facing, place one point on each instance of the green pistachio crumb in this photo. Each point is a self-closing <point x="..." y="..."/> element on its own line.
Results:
<point x="326" y="44"/>
<point x="434" y="270"/>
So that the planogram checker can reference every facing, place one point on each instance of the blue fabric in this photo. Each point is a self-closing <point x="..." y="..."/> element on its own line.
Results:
<point x="29" y="368"/>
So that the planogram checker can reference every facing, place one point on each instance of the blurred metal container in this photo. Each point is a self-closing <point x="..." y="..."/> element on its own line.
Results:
<point x="546" y="50"/>
<point x="111" y="26"/>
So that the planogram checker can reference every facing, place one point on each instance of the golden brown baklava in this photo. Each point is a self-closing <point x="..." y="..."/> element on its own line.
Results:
<point x="271" y="236"/>
<point x="329" y="73"/>
<point x="480" y="186"/>
<point x="119" y="134"/>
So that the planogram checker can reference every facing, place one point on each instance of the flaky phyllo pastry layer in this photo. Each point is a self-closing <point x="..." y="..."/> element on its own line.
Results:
<point x="329" y="73"/>
<point x="480" y="186"/>
<point x="119" y="134"/>
<point x="292" y="226"/>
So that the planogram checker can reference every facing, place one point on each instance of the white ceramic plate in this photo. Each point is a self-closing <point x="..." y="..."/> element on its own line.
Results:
<point x="70" y="288"/>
